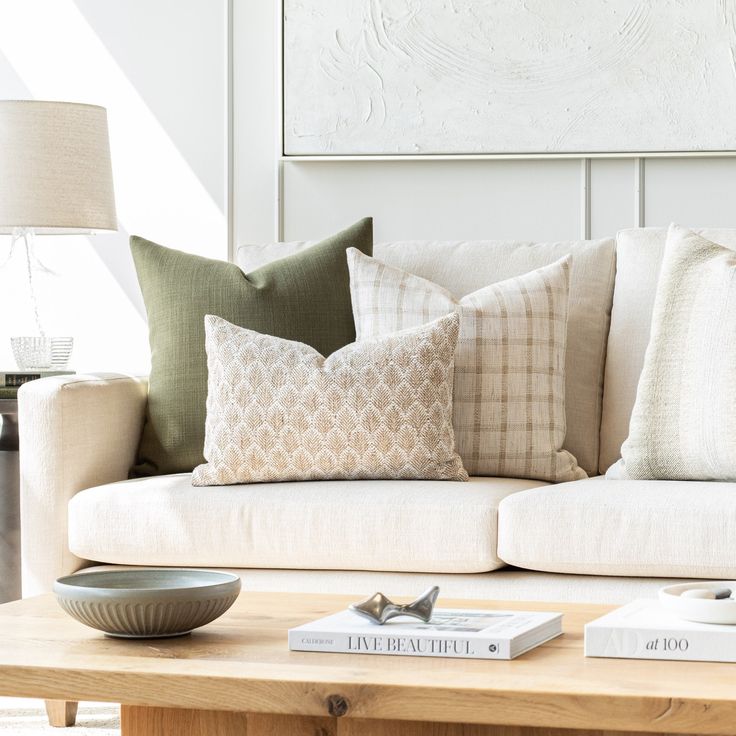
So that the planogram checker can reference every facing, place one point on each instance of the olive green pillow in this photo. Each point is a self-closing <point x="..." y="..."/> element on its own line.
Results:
<point x="304" y="297"/>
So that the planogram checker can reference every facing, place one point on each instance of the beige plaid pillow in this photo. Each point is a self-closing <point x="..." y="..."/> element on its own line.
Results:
<point x="509" y="395"/>
<point x="277" y="410"/>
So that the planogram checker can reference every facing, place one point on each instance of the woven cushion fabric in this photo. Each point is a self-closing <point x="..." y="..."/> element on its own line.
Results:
<point x="638" y="261"/>
<point x="683" y="426"/>
<point x="497" y="585"/>
<point x="509" y="393"/>
<point x="622" y="527"/>
<point x="305" y="297"/>
<point x="464" y="266"/>
<point x="278" y="410"/>
<point x="419" y="526"/>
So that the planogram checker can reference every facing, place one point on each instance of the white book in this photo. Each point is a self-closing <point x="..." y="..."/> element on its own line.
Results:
<point x="644" y="629"/>
<point x="468" y="634"/>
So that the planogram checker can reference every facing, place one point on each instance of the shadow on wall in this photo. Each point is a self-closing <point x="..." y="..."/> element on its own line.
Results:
<point x="159" y="69"/>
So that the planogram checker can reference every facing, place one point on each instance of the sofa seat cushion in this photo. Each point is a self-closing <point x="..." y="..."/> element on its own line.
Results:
<point x="616" y="527"/>
<point x="402" y="526"/>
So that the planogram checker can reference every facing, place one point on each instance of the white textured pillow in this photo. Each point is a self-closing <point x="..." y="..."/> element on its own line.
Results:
<point x="683" y="426"/>
<point x="278" y="411"/>
<point x="509" y="395"/>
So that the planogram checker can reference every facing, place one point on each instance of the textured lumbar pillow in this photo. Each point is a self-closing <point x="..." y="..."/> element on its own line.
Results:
<point x="683" y="425"/>
<point x="277" y="410"/>
<point x="509" y="397"/>
<point x="304" y="297"/>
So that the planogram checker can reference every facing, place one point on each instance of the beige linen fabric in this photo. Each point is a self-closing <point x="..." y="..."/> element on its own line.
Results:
<point x="396" y="525"/>
<point x="639" y="258"/>
<point x="683" y="425"/>
<point x="509" y="394"/>
<point x="622" y="527"/>
<point x="277" y="410"/>
<point x="499" y="585"/>
<point x="75" y="432"/>
<point x="464" y="266"/>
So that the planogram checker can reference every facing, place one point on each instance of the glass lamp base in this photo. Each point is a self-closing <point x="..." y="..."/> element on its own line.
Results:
<point x="41" y="353"/>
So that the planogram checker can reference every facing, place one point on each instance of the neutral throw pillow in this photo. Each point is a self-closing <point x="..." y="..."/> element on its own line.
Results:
<point x="509" y="396"/>
<point x="304" y="297"/>
<point x="683" y="426"/>
<point x="277" y="410"/>
<point x="464" y="266"/>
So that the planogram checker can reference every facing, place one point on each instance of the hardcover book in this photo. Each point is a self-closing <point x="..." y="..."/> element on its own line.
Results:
<point x="15" y="379"/>
<point x="643" y="629"/>
<point x="468" y="634"/>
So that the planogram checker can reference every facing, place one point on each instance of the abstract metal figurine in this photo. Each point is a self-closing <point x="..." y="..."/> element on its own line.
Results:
<point x="380" y="609"/>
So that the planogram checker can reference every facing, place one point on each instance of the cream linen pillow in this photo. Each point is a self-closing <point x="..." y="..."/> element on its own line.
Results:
<point x="278" y="411"/>
<point x="683" y="426"/>
<point x="509" y="394"/>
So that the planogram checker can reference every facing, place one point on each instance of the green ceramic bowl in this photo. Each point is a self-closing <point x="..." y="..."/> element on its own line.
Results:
<point x="148" y="602"/>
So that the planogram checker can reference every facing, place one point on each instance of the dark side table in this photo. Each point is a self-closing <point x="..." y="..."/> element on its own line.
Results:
<point x="9" y="499"/>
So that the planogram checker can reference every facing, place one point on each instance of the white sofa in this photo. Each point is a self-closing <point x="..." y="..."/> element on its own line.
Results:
<point x="589" y="540"/>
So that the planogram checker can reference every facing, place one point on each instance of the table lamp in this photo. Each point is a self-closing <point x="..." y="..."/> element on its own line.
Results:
<point x="55" y="178"/>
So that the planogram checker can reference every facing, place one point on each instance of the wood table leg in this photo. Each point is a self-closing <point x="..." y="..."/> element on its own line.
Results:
<point x="61" y="713"/>
<point x="144" y="721"/>
<point x="260" y="724"/>
<point x="363" y="727"/>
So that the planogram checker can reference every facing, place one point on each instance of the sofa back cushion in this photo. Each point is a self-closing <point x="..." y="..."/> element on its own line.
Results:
<point x="462" y="267"/>
<point x="638" y="259"/>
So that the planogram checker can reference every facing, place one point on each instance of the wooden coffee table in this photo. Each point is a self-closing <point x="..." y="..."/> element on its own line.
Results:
<point x="237" y="676"/>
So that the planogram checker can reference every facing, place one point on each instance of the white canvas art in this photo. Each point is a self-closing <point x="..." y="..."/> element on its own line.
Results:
<point x="508" y="76"/>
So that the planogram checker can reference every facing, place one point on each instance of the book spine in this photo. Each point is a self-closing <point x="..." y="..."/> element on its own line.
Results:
<point x="413" y="646"/>
<point x="632" y="643"/>
<point x="10" y="379"/>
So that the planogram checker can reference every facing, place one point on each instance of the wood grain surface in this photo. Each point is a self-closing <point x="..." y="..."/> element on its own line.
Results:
<point x="145" y="721"/>
<point x="241" y="663"/>
<point x="61" y="713"/>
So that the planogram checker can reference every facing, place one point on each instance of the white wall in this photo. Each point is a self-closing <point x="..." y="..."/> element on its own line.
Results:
<point x="525" y="199"/>
<point x="160" y="67"/>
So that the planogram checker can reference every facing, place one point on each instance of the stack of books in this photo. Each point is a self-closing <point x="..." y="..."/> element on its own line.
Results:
<point x="468" y="634"/>
<point x="644" y="629"/>
<point x="11" y="381"/>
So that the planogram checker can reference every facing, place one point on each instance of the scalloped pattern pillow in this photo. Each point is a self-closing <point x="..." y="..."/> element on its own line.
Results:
<point x="278" y="410"/>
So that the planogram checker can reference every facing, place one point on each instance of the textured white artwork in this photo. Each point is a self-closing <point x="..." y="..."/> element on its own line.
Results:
<point x="508" y="76"/>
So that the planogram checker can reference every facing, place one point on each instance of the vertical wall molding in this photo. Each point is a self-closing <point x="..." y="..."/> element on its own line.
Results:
<point x="585" y="198"/>
<point x="279" y="209"/>
<point x="229" y="131"/>
<point x="279" y="132"/>
<point x="639" y="192"/>
<point x="269" y="187"/>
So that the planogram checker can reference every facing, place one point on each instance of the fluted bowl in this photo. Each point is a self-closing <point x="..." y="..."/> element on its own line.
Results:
<point x="147" y="603"/>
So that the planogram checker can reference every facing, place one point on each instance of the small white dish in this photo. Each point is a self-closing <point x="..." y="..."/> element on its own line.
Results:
<point x="701" y="610"/>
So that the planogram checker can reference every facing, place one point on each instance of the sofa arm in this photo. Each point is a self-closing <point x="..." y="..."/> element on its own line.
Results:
<point x="75" y="432"/>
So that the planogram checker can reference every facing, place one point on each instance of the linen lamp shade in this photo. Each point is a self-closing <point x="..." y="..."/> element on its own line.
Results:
<point x="55" y="171"/>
